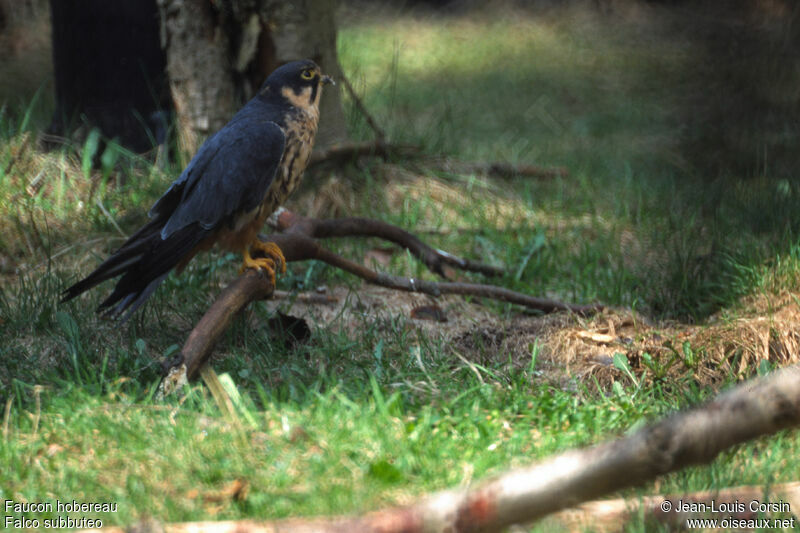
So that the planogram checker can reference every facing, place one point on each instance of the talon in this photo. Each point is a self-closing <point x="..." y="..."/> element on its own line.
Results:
<point x="274" y="257"/>
<point x="272" y="251"/>
<point x="262" y="263"/>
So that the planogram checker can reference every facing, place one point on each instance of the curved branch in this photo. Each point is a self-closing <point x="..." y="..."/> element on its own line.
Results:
<point x="250" y="286"/>
<point x="432" y="288"/>
<point x="432" y="258"/>
<point x="298" y="246"/>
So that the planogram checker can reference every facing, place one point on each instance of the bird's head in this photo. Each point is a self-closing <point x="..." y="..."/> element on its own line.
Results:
<point x="299" y="82"/>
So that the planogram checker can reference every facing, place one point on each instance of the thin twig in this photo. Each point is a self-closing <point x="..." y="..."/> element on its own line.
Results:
<point x="501" y="169"/>
<point x="379" y="133"/>
<point x="312" y="298"/>
<point x="65" y="250"/>
<point x="110" y="218"/>
<point x="434" y="288"/>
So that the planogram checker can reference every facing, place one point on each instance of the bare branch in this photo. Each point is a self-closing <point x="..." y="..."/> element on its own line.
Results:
<point x="434" y="259"/>
<point x="434" y="288"/>
<point x="761" y="407"/>
<point x="339" y="153"/>
<point x="196" y="351"/>
<point x="379" y="133"/>
<point x="297" y="244"/>
<point x="507" y="170"/>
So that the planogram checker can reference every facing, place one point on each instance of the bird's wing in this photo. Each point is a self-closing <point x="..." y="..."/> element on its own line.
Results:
<point x="229" y="175"/>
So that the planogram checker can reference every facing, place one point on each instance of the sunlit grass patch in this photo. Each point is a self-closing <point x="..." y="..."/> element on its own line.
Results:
<point x="325" y="451"/>
<point x="519" y="86"/>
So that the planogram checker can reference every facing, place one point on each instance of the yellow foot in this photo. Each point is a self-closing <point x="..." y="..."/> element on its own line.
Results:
<point x="271" y="250"/>
<point x="274" y="256"/>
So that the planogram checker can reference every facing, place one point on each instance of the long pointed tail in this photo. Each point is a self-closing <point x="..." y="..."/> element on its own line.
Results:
<point x="144" y="261"/>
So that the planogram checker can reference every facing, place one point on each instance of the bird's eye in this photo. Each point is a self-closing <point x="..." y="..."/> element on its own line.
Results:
<point x="307" y="74"/>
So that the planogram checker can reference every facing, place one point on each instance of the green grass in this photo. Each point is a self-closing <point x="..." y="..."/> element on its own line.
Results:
<point x="328" y="447"/>
<point x="599" y="97"/>
<point x="379" y="411"/>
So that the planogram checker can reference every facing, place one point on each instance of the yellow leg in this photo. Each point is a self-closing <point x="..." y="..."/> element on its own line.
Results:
<point x="274" y="256"/>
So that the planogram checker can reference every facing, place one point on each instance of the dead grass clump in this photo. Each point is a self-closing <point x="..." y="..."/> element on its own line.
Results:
<point x="708" y="354"/>
<point x="41" y="199"/>
<point x="51" y="205"/>
<point x="568" y="347"/>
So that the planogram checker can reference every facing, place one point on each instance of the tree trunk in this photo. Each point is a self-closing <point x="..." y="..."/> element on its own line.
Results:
<point x="199" y="69"/>
<point x="306" y="29"/>
<point x="220" y="52"/>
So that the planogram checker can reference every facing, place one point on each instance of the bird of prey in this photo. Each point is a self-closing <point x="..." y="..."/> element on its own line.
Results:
<point x="238" y="177"/>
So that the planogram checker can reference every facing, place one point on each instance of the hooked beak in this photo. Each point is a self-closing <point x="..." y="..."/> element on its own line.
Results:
<point x="326" y="80"/>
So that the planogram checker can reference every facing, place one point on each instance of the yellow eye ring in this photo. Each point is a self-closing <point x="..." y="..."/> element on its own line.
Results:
<point x="307" y="74"/>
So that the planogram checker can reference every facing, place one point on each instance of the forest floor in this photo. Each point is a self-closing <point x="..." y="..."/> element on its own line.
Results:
<point x="374" y="405"/>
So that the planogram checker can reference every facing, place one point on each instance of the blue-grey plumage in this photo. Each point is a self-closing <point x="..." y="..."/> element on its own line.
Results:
<point x="238" y="177"/>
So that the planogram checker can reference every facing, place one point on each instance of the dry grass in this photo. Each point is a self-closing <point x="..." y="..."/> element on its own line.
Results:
<point x="30" y="177"/>
<point x="570" y="347"/>
<point x="763" y="327"/>
<point x="766" y="326"/>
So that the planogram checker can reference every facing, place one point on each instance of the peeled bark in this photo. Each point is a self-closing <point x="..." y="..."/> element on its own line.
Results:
<point x="199" y="69"/>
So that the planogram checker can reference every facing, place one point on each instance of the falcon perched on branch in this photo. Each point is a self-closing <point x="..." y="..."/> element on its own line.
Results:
<point x="234" y="182"/>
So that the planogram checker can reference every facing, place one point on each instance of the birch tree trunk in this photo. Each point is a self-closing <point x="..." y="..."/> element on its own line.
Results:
<point x="219" y="53"/>
<point x="198" y="69"/>
<point x="306" y="29"/>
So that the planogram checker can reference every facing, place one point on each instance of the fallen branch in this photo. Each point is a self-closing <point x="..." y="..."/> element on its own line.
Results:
<point x="507" y="170"/>
<point x="761" y="407"/>
<point x="434" y="288"/>
<point x="339" y="153"/>
<point x="502" y="169"/>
